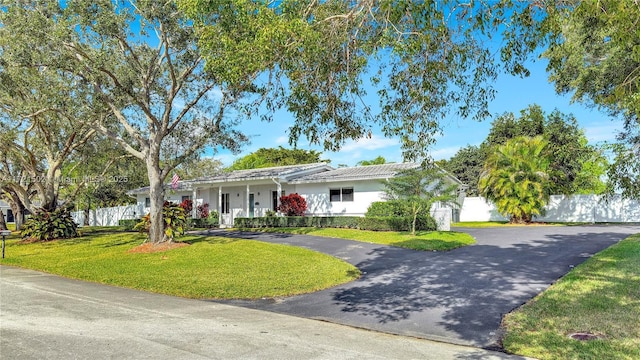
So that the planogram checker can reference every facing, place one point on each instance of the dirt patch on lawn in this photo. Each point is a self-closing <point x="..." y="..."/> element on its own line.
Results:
<point x="147" y="248"/>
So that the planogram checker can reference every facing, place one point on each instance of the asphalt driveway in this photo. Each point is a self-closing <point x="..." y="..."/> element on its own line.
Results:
<point x="457" y="296"/>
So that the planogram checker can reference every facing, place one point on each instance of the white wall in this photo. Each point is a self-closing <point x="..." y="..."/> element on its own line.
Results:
<point x="317" y="196"/>
<point x="108" y="216"/>
<point x="575" y="208"/>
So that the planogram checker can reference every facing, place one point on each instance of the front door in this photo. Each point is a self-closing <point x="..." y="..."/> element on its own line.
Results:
<point x="252" y="206"/>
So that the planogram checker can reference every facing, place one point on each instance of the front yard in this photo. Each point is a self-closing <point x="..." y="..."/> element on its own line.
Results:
<point x="208" y="268"/>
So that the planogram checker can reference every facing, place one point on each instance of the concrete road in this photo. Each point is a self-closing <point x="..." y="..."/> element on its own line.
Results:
<point x="459" y="296"/>
<point x="48" y="317"/>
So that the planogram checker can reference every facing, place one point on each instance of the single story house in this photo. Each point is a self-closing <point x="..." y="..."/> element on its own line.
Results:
<point x="347" y="191"/>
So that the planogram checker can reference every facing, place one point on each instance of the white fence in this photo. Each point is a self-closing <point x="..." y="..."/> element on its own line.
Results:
<point x="575" y="208"/>
<point x="109" y="216"/>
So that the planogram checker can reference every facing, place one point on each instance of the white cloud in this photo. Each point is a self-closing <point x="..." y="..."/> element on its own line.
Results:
<point x="375" y="142"/>
<point x="282" y="140"/>
<point x="598" y="133"/>
<point x="444" y="153"/>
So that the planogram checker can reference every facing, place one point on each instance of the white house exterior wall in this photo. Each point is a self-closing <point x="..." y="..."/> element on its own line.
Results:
<point x="318" y="203"/>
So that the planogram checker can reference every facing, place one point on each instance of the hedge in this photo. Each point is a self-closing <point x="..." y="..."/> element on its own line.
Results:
<point x="298" y="221"/>
<point x="375" y="223"/>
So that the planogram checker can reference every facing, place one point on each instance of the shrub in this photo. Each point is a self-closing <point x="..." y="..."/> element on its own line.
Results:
<point x="299" y="221"/>
<point x="388" y="208"/>
<point x="396" y="223"/>
<point x="402" y="214"/>
<point x="44" y="225"/>
<point x="203" y="211"/>
<point x="175" y="221"/>
<point x="187" y="205"/>
<point x="292" y="205"/>
<point x="128" y="224"/>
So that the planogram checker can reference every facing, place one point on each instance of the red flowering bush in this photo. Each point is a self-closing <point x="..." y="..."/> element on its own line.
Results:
<point x="187" y="205"/>
<point x="292" y="205"/>
<point x="203" y="211"/>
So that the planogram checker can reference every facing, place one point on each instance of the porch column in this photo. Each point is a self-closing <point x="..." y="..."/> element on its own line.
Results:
<point x="247" y="202"/>
<point x="279" y="195"/>
<point x="194" y="207"/>
<point x="220" y="205"/>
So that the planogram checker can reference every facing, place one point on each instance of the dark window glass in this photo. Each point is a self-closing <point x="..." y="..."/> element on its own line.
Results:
<point x="334" y="195"/>
<point x="347" y="194"/>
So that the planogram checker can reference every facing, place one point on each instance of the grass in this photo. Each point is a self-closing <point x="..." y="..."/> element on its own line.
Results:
<point x="423" y="240"/>
<point x="601" y="296"/>
<point x="210" y="268"/>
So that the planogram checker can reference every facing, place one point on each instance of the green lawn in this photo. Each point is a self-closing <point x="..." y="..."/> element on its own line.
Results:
<point x="211" y="267"/>
<point x="601" y="296"/>
<point x="423" y="240"/>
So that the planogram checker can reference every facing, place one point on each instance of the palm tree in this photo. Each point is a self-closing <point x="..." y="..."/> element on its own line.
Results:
<point x="515" y="177"/>
<point x="419" y="189"/>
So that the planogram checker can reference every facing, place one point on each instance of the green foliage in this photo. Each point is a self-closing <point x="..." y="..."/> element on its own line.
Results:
<point x="593" y="49"/>
<point x="375" y="223"/>
<point x="209" y="268"/>
<point x="466" y="165"/>
<point x="128" y="224"/>
<point x="298" y="221"/>
<point x="396" y="215"/>
<point x="50" y="225"/>
<point x="377" y="161"/>
<point x="209" y="222"/>
<point x="418" y="189"/>
<point x="423" y="222"/>
<point x="577" y="167"/>
<point x="269" y="157"/>
<point x="313" y="59"/>
<point x="516" y="178"/>
<point x="175" y="219"/>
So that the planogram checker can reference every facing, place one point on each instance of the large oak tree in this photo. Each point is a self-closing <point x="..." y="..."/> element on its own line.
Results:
<point x="173" y="85"/>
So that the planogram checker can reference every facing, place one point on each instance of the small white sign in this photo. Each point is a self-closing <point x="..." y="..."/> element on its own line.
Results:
<point x="5" y="232"/>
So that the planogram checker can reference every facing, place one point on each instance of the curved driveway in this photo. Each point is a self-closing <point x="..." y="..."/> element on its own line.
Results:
<point x="457" y="296"/>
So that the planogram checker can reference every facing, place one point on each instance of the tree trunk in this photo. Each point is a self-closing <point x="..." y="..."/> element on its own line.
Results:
<point x="156" y="195"/>
<point x="87" y="213"/>
<point x="18" y="213"/>
<point x="3" y="224"/>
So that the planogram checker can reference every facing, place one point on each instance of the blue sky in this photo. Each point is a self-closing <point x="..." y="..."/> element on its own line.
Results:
<point x="513" y="94"/>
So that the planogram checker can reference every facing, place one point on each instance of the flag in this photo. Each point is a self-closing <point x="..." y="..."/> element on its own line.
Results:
<point x="174" y="181"/>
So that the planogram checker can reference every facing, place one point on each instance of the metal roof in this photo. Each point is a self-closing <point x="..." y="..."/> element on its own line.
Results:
<point x="356" y="173"/>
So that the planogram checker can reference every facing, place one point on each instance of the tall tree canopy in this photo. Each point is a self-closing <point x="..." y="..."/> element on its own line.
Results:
<point x="577" y="167"/>
<point x="593" y="48"/>
<point x="268" y="157"/>
<point x="140" y="60"/>
<point x="317" y="58"/>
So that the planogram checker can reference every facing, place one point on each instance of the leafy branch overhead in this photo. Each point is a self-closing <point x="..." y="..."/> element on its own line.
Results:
<point x="316" y="59"/>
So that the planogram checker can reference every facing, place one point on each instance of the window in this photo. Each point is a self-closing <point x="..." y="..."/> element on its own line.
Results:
<point x="342" y="194"/>
<point x="225" y="203"/>
<point x="185" y="197"/>
<point x="10" y="217"/>
<point x="347" y="194"/>
<point x="147" y="202"/>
